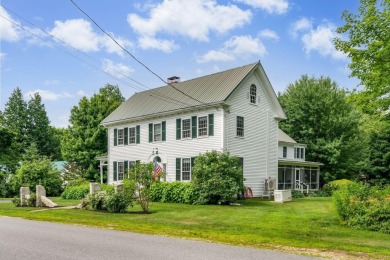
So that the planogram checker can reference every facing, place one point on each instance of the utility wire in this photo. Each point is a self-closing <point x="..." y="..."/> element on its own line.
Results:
<point x="146" y="67"/>
<point x="152" y="92"/>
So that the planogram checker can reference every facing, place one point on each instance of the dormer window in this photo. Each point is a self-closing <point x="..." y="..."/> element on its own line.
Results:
<point x="253" y="94"/>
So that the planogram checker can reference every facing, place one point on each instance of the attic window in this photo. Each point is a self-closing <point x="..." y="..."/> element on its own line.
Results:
<point x="253" y="94"/>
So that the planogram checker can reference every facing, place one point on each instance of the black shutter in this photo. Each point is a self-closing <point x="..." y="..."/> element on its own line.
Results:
<point x="125" y="168"/>
<point x="178" y="129"/>
<point x="164" y="130"/>
<point x="115" y="137"/>
<point x="211" y="124"/>
<point x="178" y="169"/>
<point x="126" y="135"/>
<point x="194" y="129"/>
<point x="137" y="134"/>
<point x="150" y="133"/>
<point x="115" y="171"/>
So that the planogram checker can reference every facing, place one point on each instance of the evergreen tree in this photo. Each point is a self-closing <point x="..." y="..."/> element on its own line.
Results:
<point x="85" y="138"/>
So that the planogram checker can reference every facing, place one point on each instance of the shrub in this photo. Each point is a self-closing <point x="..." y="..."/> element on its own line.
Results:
<point x="297" y="194"/>
<point x="332" y="186"/>
<point x="107" y="187"/>
<point x="95" y="201"/>
<point x="364" y="207"/>
<point x="75" y="192"/>
<point x="31" y="201"/>
<point x="117" y="202"/>
<point x="16" y="201"/>
<point x="77" y="182"/>
<point x="217" y="178"/>
<point x="173" y="192"/>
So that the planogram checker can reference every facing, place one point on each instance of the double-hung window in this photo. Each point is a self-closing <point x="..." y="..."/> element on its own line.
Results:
<point x="299" y="153"/>
<point x="253" y="94"/>
<point x="186" y="128"/>
<point x="157" y="133"/>
<point x="120" y="137"/>
<point x="284" y="151"/>
<point x="120" y="171"/>
<point x="186" y="169"/>
<point x="132" y="135"/>
<point x="202" y="128"/>
<point x="240" y="126"/>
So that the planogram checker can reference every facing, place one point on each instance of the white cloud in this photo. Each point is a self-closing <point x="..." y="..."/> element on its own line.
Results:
<point x="82" y="93"/>
<point x="79" y="34"/>
<point x="192" y="19"/>
<point x="118" y="70"/>
<point x="2" y="56"/>
<point x="237" y="46"/>
<point x="146" y="42"/>
<point x="320" y="39"/>
<point x="47" y="94"/>
<point x="269" y="34"/>
<point x="270" y="6"/>
<point x="8" y="30"/>
<point x="302" y="24"/>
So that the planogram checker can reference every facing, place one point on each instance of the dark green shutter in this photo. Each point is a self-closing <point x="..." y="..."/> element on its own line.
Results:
<point x="115" y="137"/>
<point x="178" y="169"/>
<point x="115" y="171"/>
<point x="211" y="124"/>
<point x="192" y="165"/>
<point x="150" y="133"/>
<point x="194" y="129"/>
<point x="125" y="168"/>
<point x="164" y="130"/>
<point x="241" y="163"/>
<point x="137" y="134"/>
<point x="126" y="135"/>
<point x="178" y="129"/>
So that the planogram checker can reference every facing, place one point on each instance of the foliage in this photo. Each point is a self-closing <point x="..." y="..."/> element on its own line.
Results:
<point x="173" y="192"/>
<point x="378" y="171"/>
<point x="75" y="192"/>
<point x="217" y="178"/>
<point x="16" y="201"/>
<point x="368" y="47"/>
<point x="332" y="186"/>
<point x="107" y="187"/>
<point x="296" y="194"/>
<point x="32" y="200"/>
<point x="318" y="115"/>
<point x="9" y="154"/>
<point x="37" y="170"/>
<point x="72" y="172"/>
<point x="364" y="207"/>
<point x="77" y="182"/>
<point x="85" y="138"/>
<point x="115" y="202"/>
<point x="139" y="183"/>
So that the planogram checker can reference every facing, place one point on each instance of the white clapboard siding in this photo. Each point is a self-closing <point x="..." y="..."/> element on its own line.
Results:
<point x="171" y="148"/>
<point x="259" y="146"/>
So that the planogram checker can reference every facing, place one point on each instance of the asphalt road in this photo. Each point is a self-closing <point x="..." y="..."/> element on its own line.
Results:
<point x="26" y="239"/>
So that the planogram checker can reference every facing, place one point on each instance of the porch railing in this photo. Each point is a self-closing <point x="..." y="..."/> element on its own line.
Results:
<point x="302" y="186"/>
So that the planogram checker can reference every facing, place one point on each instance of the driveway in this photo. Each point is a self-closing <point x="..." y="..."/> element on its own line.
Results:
<point x="27" y="239"/>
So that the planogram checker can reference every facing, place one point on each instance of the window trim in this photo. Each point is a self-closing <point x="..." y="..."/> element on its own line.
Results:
<point x="189" y="129"/>
<point x="123" y="136"/>
<point x="182" y="171"/>
<point x="240" y="128"/>
<point x="154" y="133"/>
<point x="204" y="127"/>
<point x="135" y="135"/>
<point x="253" y="95"/>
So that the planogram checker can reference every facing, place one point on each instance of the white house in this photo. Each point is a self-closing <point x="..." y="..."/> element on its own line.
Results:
<point x="235" y="110"/>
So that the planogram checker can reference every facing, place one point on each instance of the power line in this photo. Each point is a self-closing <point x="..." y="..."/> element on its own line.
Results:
<point x="152" y="92"/>
<point x="146" y="67"/>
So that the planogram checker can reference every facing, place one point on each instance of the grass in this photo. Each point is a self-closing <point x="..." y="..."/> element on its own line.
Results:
<point x="305" y="226"/>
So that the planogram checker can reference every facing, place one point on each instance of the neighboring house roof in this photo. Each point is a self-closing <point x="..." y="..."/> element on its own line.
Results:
<point x="283" y="137"/>
<point x="209" y="90"/>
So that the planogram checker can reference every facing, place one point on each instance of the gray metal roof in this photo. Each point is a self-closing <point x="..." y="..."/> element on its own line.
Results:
<point x="283" y="137"/>
<point x="207" y="90"/>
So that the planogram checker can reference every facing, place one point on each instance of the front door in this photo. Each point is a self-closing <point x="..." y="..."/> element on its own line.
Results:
<point x="297" y="179"/>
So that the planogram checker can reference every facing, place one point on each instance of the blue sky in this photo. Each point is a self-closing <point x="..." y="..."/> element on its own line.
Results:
<point x="183" y="38"/>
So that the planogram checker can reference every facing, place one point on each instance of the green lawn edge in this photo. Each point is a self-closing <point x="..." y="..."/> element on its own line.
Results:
<point x="305" y="226"/>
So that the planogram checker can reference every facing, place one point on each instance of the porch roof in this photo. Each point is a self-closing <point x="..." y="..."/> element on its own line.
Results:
<point x="285" y="162"/>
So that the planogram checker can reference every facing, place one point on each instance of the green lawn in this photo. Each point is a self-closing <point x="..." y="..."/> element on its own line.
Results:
<point x="306" y="226"/>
